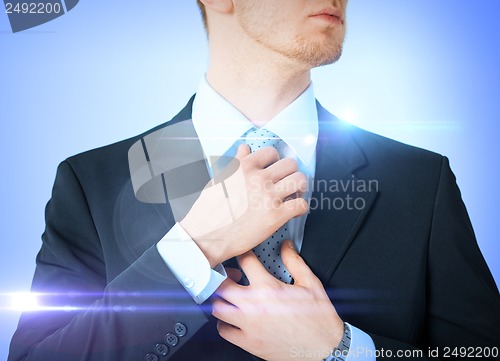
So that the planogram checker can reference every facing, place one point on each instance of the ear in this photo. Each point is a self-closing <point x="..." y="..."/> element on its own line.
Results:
<point x="220" y="6"/>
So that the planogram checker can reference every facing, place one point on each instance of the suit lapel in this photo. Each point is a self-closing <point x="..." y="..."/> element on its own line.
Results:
<point x="340" y="201"/>
<point x="168" y="166"/>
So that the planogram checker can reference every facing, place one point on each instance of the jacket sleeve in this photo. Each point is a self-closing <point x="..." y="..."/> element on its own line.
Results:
<point x="463" y="303"/>
<point x="80" y="316"/>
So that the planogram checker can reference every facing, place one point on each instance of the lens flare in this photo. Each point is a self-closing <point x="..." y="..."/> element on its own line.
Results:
<point x="24" y="301"/>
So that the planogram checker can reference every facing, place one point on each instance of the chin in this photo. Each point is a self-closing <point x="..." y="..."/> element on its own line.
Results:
<point x="330" y="60"/>
<point x="318" y="52"/>
<point x="316" y="57"/>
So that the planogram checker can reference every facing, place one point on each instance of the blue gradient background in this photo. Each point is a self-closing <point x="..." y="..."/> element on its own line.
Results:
<point x="423" y="72"/>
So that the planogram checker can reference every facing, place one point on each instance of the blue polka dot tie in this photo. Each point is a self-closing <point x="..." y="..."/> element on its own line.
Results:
<point x="269" y="251"/>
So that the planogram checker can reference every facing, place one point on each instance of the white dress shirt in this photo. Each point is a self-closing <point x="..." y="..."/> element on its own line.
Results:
<point x="213" y="115"/>
<point x="219" y="125"/>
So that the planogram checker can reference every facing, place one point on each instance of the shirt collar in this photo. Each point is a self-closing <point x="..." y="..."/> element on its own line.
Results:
<point x="297" y="124"/>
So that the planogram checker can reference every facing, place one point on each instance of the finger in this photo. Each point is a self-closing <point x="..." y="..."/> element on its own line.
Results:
<point x="293" y="208"/>
<point x="234" y="274"/>
<point x="300" y="271"/>
<point x="243" y="151"/>
<point x="282" y="168"/>
<point x="229" y="333"/>
<point x="226" y="312"/>
<point x="264" y="157"/>
<point x="254" y="270"/>
<point x="295" y="183"/>
<point x="230" y="291"/>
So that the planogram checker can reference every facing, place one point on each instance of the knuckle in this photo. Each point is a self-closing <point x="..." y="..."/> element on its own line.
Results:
<point x="297" y="206"/>
<point x="300" y="178"/>
<point x="271" y="152"/>
<point x="295" y="257"/>
<point x="275" y="203"/>
<point x="302" y="205"/>
<point x="267" y="185"/>
<point x="291" y="164"/>
<point x="215" y="310"/>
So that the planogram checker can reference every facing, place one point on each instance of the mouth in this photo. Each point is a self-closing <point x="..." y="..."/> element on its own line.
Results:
<point x="331" y="15"/>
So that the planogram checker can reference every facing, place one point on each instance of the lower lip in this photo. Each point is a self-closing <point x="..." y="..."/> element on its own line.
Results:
<point x="328" y="18"/>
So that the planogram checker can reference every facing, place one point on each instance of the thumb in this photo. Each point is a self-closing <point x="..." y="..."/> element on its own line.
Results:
<point x="243" y="151"/>
<point x="300" y="271"/>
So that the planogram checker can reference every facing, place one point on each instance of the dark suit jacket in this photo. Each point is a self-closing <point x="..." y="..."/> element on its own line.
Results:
<point x="404" y="267"/>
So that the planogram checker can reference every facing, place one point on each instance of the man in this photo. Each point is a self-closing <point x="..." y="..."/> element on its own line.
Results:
<point x="131" y="264"/>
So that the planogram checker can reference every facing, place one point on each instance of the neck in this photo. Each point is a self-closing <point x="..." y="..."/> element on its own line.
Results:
<point x="258" y="82"/>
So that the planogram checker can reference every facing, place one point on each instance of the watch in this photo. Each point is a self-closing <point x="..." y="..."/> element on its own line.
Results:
<point x="340" y="352"/>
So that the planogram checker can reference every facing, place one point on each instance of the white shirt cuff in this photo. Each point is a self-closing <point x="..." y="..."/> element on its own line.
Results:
<point x="362" y="347"/>
<point x="189" y="265"/>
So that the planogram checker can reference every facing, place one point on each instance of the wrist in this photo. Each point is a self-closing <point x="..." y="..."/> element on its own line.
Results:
<point x="212" y="253"/>
<point x="331" y="336"/>
<point x="341" y="350"/>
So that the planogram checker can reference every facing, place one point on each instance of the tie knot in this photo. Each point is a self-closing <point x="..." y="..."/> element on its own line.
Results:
<point x="259" y="138"/>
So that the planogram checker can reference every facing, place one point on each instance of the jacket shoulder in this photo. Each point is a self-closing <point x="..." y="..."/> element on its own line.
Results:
<point x="373" y="146"/>
<point x="376" y="148"/>
<point x="115" y="156"/>
<point x="399" y="166"/>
